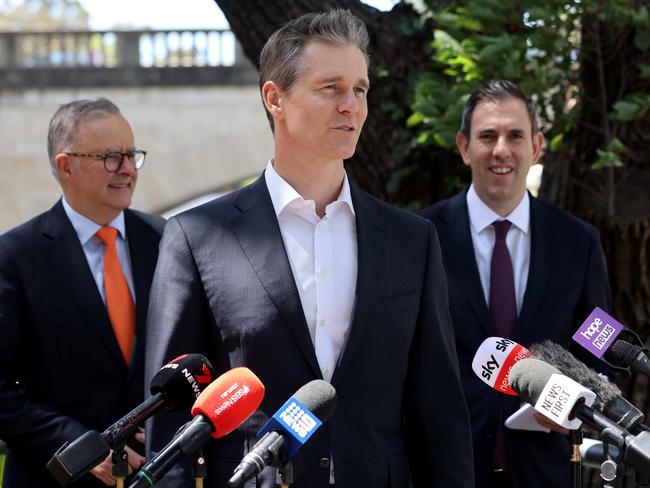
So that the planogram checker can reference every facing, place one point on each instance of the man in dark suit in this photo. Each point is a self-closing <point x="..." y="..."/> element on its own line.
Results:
<point x="63" y="371"/>
<point x="301" y="276"/>
<point x="555" y="276"/>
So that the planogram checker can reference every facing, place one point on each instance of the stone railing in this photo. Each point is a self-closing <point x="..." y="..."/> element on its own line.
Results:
<point x="86" y="58"/>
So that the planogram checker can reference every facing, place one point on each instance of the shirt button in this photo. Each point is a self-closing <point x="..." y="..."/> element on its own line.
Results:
<point x="322" y="322"/>
<point x="324" y="463"/>
<point x="323" y="271"/>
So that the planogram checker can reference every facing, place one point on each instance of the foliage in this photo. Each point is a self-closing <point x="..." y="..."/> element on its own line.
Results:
<point x="544" y="47"/>
<point x="42" y="15"/>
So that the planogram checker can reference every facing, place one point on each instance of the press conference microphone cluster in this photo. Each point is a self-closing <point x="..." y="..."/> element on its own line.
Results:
<point x="289" y="428"/>
<point x="222" y="407"/>
<point x="174" y="387"/>
<point x="568" y="403"/>
<point x="608" y="401"/>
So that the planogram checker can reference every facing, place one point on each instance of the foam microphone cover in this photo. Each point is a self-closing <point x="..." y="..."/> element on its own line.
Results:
<point x="529" y="376"/>
<point x="182" y="380"/>
<point x="229" y="400"/>
<point x="319" y="397"/>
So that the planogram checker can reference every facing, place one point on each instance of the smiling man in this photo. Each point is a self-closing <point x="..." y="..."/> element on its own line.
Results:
<point x="302" y="276"/>
<point x="74" y="292"/>
<point x="516" y="268"/>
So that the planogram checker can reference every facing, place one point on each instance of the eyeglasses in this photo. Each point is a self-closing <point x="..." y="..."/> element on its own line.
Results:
<point x="113" y="161"/>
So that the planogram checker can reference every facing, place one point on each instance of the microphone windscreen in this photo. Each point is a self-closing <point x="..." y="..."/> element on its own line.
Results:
<point x="182" y="380"/>
<point x="229" y="400"/>
<point x="529" y="376"/>
<point x="570" y="366"/>
<point x="622" y="353"/>
<point x="319" y="397"/>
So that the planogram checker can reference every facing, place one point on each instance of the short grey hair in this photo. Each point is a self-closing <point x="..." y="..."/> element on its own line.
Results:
<point x="281" y="60"/>
<point x="65" y="122"/>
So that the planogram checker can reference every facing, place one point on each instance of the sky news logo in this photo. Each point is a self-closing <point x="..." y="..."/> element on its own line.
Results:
<point x="598" y="332"/>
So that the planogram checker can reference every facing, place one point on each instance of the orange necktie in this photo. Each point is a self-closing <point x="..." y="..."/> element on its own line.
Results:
<point x="119" y="302"/>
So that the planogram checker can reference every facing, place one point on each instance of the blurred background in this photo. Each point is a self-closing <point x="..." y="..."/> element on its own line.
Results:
<point x="184" y="75"/>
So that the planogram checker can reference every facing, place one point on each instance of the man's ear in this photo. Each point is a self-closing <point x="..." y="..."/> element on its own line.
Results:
<point x="462" y="143"/>
<point x="272" y="98"/>
<point x="538" y="144"/>
<point x="63" y="166"/>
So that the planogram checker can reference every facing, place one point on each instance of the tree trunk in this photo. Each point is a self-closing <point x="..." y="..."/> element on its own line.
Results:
<point x="397" y="52"/>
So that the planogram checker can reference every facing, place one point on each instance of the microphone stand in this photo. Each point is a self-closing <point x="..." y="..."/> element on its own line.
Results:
<point x="199" y="469"/>
<point x="120" y="464"/>
<point x="575" y="438"/>
<point x="286" y="474"/>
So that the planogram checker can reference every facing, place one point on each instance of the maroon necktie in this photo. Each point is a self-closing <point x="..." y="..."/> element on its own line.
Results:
<point x="503" y="304"/>
<point x="503" y="311"/>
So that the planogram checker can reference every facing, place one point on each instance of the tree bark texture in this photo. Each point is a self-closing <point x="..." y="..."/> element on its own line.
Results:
<point x="394" y="47"/>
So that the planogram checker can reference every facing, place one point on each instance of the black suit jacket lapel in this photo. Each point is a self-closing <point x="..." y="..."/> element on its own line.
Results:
<point x="143" y="248"/>
<point x="258" y="233"/>
<point x="540" y="264"/>
<point x="68" y="259"/>
<point x="373" y="251"/>
<point x="459" y="252"/>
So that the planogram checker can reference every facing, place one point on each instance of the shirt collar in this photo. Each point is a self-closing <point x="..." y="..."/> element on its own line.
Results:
<point x="481" y="216"/>
<point x="86" y="228"/>
<point x="283" y="194"/>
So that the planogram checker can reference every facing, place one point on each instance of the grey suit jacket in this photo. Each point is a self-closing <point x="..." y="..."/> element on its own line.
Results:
<point x="224" y="287"/>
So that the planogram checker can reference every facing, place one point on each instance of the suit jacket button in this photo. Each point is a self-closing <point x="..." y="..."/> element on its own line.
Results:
<point x="324" y="463"/>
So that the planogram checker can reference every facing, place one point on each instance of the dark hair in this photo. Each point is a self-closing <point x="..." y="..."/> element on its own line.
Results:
<point x="281" y="59"/>
<point x="65" y="121"/>
<point x="494" y="90"/>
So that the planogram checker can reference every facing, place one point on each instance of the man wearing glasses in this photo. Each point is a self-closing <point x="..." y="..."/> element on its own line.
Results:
<point x="74" y="293"/>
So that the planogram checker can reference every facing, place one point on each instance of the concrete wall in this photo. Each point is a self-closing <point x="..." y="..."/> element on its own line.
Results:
<point x="198" y="139"/>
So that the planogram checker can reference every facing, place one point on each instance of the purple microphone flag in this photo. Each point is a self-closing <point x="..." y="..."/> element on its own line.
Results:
<point x="598" y="332"/>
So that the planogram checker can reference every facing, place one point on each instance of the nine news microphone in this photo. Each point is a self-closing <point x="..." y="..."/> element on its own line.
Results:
<point x="174" y="387"/>
<point x="493" y="360"/>
<point x="285" y="432"/>
<point x="222" y="407"/>
<point x="609" y="400"/>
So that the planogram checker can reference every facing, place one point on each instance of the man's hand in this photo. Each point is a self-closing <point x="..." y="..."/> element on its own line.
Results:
<point x="549" y="424"/>
<point x="103" y="471"/>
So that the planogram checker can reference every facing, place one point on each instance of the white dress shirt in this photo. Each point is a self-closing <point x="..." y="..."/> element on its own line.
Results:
<point x="323" y="257"/>
<point x="93" y="247"/>
<point x="518" y="241"/>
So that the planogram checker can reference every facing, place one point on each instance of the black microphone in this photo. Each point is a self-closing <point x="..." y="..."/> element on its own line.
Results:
<point x="552" y="394"/>
<point x="287" y="430"/>
<point x="174" y="387"/>
<point x="626" y="354"/>
<point x="224" y="405"/>
<point x="611" y="403"/>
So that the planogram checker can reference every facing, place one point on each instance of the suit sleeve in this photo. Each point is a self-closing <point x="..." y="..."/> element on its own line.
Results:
<point x="25" y="424"/>
<point x="176" y="324"/>
<point x="436" y="417"/>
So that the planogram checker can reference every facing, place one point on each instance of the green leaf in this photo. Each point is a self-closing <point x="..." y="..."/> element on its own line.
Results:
<point x="642" y="39"/>
<point x="625" y="111"/>
<point x="415" y="119"/>
<point x="554" y="145"/>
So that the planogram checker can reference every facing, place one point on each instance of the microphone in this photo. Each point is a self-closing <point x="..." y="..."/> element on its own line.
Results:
<point x="174" y="387"/>
<point x="609" y="400"/>
<point x="493" y="360"/>
<point x="628" y="355"/>
<point x="222" y="407"/>
<point x="559" y="398"/>
<point x="289" y="428"/>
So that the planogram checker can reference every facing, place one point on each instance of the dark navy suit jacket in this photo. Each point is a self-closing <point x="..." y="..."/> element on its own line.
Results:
<point x="224" y="287"/>
<point x="61" y="369"/>
<point x="567" y="279"/>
